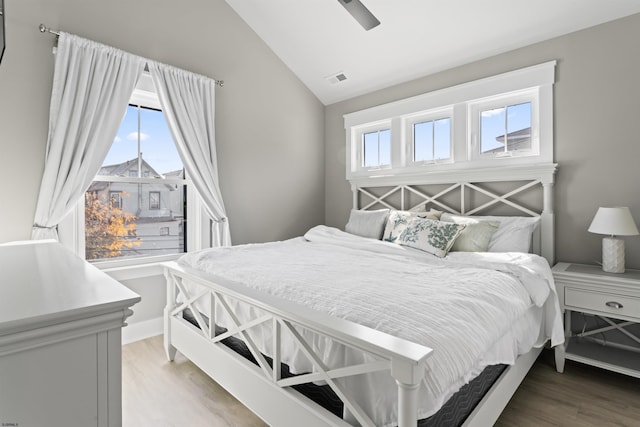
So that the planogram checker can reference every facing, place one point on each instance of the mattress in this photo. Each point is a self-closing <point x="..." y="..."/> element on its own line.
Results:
<point x="474" y="309"/>
<point x="453" y="413"/>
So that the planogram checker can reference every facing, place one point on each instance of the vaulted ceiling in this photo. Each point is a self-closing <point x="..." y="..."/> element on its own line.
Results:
<point x="319" y="39"/>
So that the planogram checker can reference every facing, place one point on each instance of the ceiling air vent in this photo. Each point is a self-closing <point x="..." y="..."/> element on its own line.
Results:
<point x="336" y="78"/>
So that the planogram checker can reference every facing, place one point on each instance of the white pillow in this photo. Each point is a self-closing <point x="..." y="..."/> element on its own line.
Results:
<point x="432" y="236"/>
<point x="513" y="234"/>
<point x="367" y="223"/>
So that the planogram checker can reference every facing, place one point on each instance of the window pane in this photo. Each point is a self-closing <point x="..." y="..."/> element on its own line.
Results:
<point x="371" y="149"/>
<point x="136" y="227"/>
<point x="519" y="127"/>
<point x="442" y="138"/>
<point x="157" y="146"/>
<point x="157" y="149"/>
<point x="492" y="126"/>
<point x="377" y="148"/>
<point x="125" y="145"/>
<point x="423" y="141"/>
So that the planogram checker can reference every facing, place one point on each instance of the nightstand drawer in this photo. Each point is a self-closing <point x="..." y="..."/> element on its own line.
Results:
<point x="601" y="302"/>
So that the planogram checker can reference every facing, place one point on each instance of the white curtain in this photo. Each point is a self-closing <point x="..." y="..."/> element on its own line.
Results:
<point x="92" y="85"/>
<point x="188" y="103"/>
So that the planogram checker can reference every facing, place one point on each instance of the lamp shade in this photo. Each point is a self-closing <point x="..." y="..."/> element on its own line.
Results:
<point x="615" y="221"/>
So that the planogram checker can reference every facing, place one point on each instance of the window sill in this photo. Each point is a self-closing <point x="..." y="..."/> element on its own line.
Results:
<point x="129" y="269"/>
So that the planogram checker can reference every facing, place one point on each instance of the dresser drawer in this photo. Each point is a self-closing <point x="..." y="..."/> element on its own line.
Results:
<point x="603" y="302"/>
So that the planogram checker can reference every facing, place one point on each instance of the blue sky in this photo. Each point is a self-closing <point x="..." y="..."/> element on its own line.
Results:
<point x="157" y="145"/>
<point x="428" y="133"/>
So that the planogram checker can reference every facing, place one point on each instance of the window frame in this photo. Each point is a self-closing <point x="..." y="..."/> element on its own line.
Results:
<point x="379" y="150"/>
<point x="198" y="234"/>
<point x="360" y="132"/>
<point x="504" y="100"/>
<point x="425" y="117"/>
<point x="119" y="199"/>
<point x="153" y="207"/>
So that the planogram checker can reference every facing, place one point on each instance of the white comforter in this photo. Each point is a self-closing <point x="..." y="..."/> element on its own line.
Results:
<point x="473" y="309"/>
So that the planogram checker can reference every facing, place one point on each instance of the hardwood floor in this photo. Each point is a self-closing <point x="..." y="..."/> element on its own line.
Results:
<point x="583" y="396"/>
<point x="158" y="393"/>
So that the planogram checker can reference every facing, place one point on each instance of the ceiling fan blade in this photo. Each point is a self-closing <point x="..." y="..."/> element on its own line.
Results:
<point x="360" y="13"/>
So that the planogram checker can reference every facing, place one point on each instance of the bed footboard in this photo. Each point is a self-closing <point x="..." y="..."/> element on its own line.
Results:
<point x="263" y="388"/>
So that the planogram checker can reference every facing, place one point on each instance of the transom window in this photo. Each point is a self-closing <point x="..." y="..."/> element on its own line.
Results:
<point x="376" y="146"/>
<point x="505" y="129"/>
<point x="500" y="120"/>
<point x="432" y="140"/>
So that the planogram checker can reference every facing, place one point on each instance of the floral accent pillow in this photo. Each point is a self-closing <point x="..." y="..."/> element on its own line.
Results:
<point x="434" y="237"/>
<point x="398" y="220"/>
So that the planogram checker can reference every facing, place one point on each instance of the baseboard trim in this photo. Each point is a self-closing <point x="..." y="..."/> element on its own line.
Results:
<point x="141" y="330"/>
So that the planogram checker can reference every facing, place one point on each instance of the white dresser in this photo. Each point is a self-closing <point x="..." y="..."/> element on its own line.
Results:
<point x="60" y="339"/>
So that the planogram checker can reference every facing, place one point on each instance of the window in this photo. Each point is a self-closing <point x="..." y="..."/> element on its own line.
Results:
<point x="154" y="200"/>
<point x="506" y="125"/>
<point x="499" y="120"/>
<point x="141" y="169"/>
<point x="505" y="129"/>
<point x="376" y="147"/>
<point x="430" y="140"/>
<point x="116" y="199"/>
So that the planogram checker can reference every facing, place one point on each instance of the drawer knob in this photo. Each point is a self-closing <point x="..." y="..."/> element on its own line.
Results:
<point x="614" y="304"/>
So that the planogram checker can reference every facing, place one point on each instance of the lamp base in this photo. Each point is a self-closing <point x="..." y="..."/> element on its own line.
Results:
<point x="612" y="255"/>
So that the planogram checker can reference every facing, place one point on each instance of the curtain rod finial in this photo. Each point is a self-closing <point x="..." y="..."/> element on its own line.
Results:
<point x="42" y="28"/>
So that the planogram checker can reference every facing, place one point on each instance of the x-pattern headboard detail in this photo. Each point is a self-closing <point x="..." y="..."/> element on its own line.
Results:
<point x="436" y="198"/>
<point x="461" y="190"/>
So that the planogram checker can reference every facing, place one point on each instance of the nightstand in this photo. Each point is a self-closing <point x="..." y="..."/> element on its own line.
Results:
<point x="608" y="308"/>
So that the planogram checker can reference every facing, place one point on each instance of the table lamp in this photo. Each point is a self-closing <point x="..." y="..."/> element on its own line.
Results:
<point x="615" y="221"/>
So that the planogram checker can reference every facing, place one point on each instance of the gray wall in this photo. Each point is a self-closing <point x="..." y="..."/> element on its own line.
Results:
<point x="596" y="121"/>
<point x="269" y="126"/>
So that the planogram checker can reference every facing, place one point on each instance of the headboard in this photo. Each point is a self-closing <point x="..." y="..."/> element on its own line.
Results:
<point x="513" y="190"/>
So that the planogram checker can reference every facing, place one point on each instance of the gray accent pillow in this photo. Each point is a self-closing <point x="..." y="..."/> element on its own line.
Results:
<point x="476" y="236"/>
<point x="367" y="223"/>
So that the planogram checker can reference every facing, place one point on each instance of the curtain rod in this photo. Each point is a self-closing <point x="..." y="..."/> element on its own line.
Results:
<point x="44" y="29"/>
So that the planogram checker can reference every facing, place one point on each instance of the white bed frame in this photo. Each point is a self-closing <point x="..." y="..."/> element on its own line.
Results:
<point x="266" y="393"/>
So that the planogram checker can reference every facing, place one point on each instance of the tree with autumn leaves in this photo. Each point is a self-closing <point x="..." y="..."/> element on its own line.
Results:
<point x="108" y="228"/>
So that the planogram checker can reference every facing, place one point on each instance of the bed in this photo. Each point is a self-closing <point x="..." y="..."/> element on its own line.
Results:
<point x="388" y="353"/>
